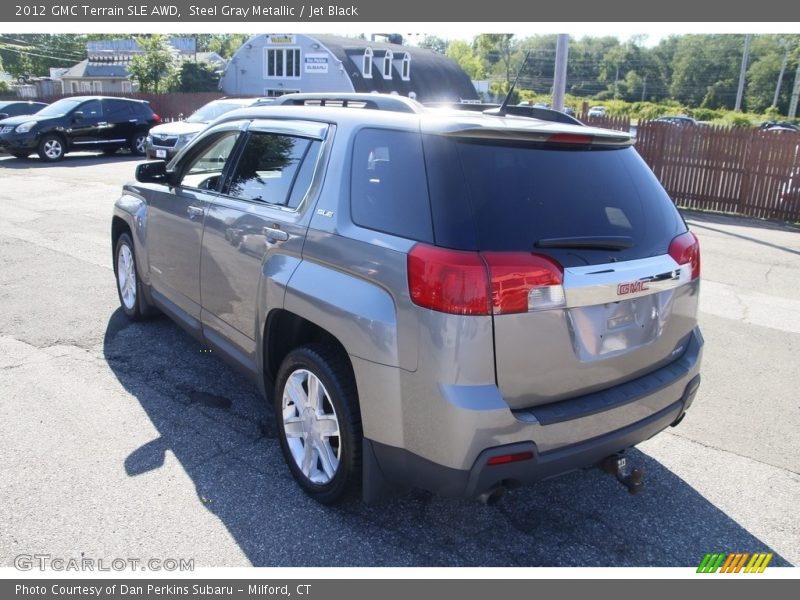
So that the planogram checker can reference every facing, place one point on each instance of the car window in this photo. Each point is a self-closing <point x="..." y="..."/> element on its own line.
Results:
<point x="206" y="165"/>
<point x="388" y="189"/>
<point x="268" y="167"/>
<point x="117" y="110"/>
<point x="517" y="194"/>
<point x="91" y="109"/>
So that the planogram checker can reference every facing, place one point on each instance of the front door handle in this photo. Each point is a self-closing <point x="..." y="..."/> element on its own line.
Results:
<point x="194" y="211"/>
<point x="273" y="234"/>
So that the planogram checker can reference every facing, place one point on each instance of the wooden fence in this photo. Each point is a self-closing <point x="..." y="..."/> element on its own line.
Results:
<point x="738" y="170"/>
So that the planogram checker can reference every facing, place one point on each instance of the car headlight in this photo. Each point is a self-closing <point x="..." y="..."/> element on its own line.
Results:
<point x="25" y="127"/>
<point x="149" y="140"/>
<point x="185" y="139"/>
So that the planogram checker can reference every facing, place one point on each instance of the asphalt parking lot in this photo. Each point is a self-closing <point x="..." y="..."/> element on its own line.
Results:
<point x="127" y="440"/>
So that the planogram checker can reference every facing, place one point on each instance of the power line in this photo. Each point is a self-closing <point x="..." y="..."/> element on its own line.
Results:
<point x="27" y="53"/>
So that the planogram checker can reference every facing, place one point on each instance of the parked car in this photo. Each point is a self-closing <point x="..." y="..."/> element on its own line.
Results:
<point x="13" y="108"/>
<point x="323" y="246"/>
<point x="682" y="120"/>
<point x="165" y="140"/>
<point x="779" y="125"/>
<point x="597" y="111"/>
<point x="79" y="123"/>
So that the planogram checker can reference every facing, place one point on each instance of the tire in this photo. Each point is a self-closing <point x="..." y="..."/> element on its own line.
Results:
<point x="129" y="285"/>
<point x="323" y="454"/>
<point x="138" y="143"/>
<point x="52" y="148"/>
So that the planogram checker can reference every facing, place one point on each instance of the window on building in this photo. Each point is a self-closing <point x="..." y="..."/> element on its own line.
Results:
<point x="276" y="93"/>
<point x="97" y="87"/>
<point x="387" y="64"/>
<point x="366" y="69"/>
<point x="74" y="87"/>
<point x="405" y="71"/>
<point x="283" y="62"/>
<point x="86" y="86"/>
<point x="127" y="87"/>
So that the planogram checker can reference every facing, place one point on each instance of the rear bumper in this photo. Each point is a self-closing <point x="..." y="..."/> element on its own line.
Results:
<point x="660" y="398"/>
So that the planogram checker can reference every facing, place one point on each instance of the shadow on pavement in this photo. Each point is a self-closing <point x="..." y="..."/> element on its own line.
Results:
<point x="80" y="159"/>
<point x="219" y="429"/>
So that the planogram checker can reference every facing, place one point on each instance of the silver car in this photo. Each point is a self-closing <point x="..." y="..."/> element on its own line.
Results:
<point x="448" y="300"/>
<point x="164" y="141"/>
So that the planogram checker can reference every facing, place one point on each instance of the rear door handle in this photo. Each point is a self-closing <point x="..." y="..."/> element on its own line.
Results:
<point x="194" y="211"/>
<point x="273" y="234"/>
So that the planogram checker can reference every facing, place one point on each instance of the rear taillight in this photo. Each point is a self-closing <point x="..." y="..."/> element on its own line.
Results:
<point x="685" y="250"/>
<point x="472" y="283"/>
<point x="522" y="282"/>
<point x="449" y="281"/>
<point x="156" y="118"/>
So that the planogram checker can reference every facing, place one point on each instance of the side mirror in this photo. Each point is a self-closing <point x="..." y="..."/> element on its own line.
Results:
<point x="154" y="171"/>
<point x="77" y="116"/>
<point x="3" y="115"/>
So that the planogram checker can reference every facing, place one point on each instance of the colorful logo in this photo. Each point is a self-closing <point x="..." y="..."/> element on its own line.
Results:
<point x="735" y="562"/>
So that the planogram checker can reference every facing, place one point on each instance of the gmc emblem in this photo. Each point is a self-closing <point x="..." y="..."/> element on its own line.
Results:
<point x="624" y="289"/>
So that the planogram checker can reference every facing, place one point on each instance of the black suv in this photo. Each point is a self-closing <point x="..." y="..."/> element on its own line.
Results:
<point x="15" y="108"/>
<point x="79" y="123"/>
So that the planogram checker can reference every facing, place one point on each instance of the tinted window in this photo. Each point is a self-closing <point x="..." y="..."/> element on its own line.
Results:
<point x="117" y="110"/>
<point x="91" y="109"/>
<point x="516" y="195"/>
<point x="205" y="167"/>
<point x="389" y="191"/>
<point x="268" y="167"/>
<point x="302" y="180"/>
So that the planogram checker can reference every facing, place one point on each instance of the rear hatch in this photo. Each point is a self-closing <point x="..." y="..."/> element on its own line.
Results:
<point x="592" y="274"/>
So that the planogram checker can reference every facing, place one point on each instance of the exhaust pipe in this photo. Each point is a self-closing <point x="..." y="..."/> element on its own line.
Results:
<point x="492" y="496"/>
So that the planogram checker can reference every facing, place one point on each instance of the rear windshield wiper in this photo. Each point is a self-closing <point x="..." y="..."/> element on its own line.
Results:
<point x="590" y="242"/>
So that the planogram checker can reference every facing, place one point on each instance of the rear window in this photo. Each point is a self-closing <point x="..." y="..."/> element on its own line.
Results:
<point x="508" y="196"/>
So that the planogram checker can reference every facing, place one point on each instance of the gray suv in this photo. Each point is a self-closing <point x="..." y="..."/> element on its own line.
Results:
<point x="447" y="300"/>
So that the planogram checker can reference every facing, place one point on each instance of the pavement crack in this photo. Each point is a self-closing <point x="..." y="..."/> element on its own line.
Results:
<point x="717" y="448"/>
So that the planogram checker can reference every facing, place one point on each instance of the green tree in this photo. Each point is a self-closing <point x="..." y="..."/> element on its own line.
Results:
<point x="226" y="44"/>
<point x="197" y="77"/>
<point x="462" y="53"/>
<point x="156" y="69"/>
<point x="706" y="70"/>
<point x="435" y="43"/>
<point x="496" y="52"/>
<point x="769" y="53"/>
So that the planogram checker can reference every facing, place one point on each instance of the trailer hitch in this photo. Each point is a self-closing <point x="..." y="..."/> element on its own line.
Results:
<point x="629" y="476"/>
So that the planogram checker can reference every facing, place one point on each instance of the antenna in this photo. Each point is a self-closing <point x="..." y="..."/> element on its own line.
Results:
<point x="502" y="110"/>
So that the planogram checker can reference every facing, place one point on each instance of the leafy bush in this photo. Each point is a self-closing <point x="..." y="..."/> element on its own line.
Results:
<point x="705" y="114"/>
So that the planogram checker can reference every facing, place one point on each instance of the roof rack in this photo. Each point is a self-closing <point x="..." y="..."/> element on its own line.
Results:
<point x="390" y="102"/>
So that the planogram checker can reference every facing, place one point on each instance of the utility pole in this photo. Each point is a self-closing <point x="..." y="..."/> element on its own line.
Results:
<point x="780" y="77"/>
<point x="795" y="94"/>
<point x="560" y="73"/>
<point x="743" y="73"/>
<point x="644" y="87"/>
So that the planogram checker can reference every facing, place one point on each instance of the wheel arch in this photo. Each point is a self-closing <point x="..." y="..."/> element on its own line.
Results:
<point x="284" y="331"/>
